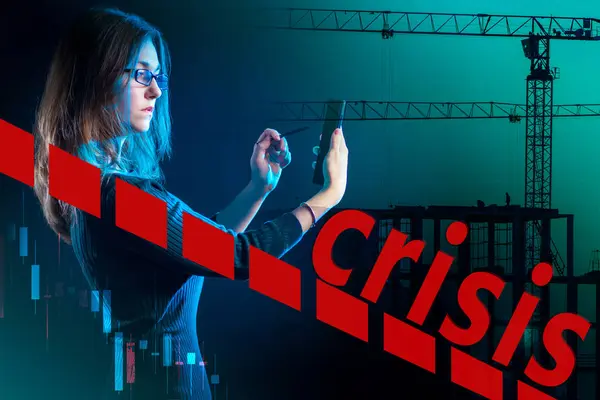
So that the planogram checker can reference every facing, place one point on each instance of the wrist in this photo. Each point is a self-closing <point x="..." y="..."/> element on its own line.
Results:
<point x="310" y="212"/>
<point x="326" y="198"/>
<point x="258" y="191"/>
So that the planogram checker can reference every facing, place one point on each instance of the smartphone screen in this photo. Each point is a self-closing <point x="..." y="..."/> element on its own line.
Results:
<point x="334" y="118"/>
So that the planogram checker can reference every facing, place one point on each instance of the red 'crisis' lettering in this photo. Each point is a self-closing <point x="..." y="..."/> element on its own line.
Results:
<point x="393" y="251"/>
<point x="475" y="310"/>
<point x="396" y="248"/>
<point x="559" y="350"/>
<point x="541" y="276"/>
<point x="455" y="234"/>
<point x="340" y="222"/>
<point x="430" y="288"/>
<point x="515" y="329"/>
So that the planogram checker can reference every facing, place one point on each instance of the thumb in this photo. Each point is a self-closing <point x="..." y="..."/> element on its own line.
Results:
<point x="264" y="143"/>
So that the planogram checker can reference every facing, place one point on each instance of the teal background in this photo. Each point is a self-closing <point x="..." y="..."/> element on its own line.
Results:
<point x="453" y="162"/>
<point x="444" y="162"/>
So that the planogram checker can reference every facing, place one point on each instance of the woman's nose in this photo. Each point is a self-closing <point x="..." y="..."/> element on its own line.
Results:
<point x="154" y="90"/>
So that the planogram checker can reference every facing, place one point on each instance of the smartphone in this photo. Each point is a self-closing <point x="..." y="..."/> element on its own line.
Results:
<point x="334" y="118"/>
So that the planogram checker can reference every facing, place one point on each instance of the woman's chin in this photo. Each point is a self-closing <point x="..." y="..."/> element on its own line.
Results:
<point x="140" y="128"/>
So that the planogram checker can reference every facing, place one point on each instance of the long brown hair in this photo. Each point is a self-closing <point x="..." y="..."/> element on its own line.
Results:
<point x="77" y="112"/>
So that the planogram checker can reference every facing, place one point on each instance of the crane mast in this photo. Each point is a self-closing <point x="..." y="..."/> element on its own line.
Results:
<point x="536" y="32"/>
<point x="538" y="137"/>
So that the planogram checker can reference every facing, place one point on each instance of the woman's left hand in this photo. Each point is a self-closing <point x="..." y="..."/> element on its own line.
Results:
<point x="270" y="156"/>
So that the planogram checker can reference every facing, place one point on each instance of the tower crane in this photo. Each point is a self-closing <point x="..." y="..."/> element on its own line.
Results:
<point x="363" y="110"/>
<point x="535" y="32"/>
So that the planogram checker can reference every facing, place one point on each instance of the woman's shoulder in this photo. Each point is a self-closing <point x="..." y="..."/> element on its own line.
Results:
<point x="113" y="182"/>
<point x="110" y="182"/>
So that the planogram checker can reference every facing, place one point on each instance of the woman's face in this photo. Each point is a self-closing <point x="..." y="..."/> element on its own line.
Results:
<point x="138" y="100"/>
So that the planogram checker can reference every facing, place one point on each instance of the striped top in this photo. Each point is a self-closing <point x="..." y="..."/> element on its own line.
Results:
<point x="155" y="290"/>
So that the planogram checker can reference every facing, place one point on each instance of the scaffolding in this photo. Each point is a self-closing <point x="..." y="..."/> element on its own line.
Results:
<point x="497" y="243"/>
<point x="400" y="225"/>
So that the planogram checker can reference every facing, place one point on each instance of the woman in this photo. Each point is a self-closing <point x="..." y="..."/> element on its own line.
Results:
<point x="106" y="101"/>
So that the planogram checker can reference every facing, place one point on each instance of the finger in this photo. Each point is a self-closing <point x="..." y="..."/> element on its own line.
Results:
<point x="343" y="145"/>
<point x="316" y="150"/>
<point x="283" y="144"/>
<point x="263" y="143"/>
<point x="286" y="159"/>
<point x="262" y="136"/>
<point x="279" y="156"/>
<point x="279" y="145"/>
<point x="335" y="139"/>
<point x="273" y="152"/>
<point x="314" y="164"/>
<point x="273" y="156"/>
<point x="342" y="140"/>
<point x="282" y="158"/>
<point x="274" y="135"/>
<point x="267" y="138"/>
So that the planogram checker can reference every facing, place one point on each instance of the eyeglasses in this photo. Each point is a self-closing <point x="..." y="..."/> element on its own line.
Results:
<point x="145" y="77"/>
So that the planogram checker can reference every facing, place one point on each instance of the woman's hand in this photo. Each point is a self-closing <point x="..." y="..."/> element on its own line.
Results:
<point x="270" y="156"/>
<point x="335" y="172"/>
<point x="335" y="167"/>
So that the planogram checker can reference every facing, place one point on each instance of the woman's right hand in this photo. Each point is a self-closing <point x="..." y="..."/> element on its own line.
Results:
<point x="335" y="172"/>
<point x="335" y="167"/>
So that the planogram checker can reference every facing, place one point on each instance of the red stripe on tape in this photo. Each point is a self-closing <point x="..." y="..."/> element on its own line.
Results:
<point x="342" y="311"/>
<point x="16" y="153"/>
<point x="78" y="183"/>
<point x="408" y="343"/>
<point x="526" y="392"/>
<point x="275" y="278"/>
<point x="208" y="246"/>
<point x="475" y="375"/>
<point x="74" y="181"/>
<point x="141" y="213"/>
